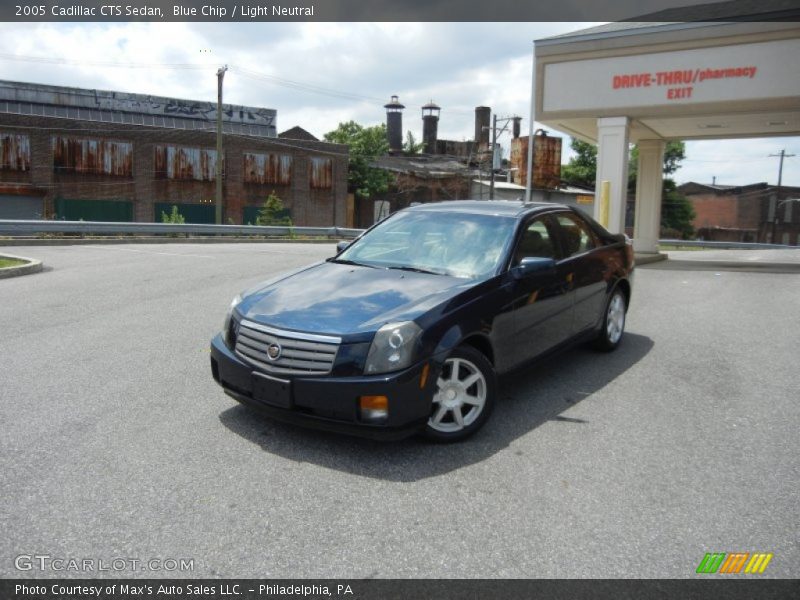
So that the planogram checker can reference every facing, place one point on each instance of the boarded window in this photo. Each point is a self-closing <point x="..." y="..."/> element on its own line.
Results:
<point x="268" y="168"/>
<point x="180" y="162"/>
<point x="320" y="173"/>
<point x="15" y="152"/>
<point x="97" y="157"/>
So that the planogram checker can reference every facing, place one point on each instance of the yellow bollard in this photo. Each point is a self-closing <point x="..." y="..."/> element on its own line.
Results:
<point x="605" y="193"/>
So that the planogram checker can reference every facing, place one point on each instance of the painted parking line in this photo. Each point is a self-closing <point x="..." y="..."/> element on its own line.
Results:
<point x="145" y="251"/>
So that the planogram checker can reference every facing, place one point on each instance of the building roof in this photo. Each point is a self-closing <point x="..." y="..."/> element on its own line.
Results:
<point x="691" y="188"/>
<point x="686" y="17"/>
<point x="297" y="133"/>
<point x="732" y="10"/>
<point x="132" y="109"/>
<point x="426" y="166"/>
<point x="501" y="185"/>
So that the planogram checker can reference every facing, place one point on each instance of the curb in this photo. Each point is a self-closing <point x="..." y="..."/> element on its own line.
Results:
<point x="646" y="259"/>
<point x="152" y="240"/>
<point x="722" y="265"/>
<point x="32" y="266"/>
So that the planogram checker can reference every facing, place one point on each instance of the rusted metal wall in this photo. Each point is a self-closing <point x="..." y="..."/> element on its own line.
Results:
<point x="181" y="162"/>
<point x="99" y="157"/>
<point x="268" y="168"/>
<point x="519" y="160"/>
<point x="15" y="152"/>
<point x="320" y="173"/>
<point x="546" y="161"/>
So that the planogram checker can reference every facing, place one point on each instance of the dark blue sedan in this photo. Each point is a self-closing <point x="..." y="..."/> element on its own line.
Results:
<point x="406" y="329"/>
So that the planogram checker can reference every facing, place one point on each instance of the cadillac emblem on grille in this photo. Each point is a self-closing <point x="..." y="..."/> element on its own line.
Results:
<point x="273" y="351"/>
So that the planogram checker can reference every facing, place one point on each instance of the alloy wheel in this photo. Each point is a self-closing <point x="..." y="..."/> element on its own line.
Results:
<point x="460" y="397"/>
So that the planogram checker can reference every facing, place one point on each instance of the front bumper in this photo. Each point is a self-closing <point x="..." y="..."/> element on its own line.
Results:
<point x="331" y="403"/>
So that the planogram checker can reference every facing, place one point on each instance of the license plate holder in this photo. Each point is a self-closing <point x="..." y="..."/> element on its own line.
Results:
<point x="272" y="391"/>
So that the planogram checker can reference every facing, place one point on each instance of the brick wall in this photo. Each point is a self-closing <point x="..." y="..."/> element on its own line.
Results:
<point x="713" y="210"/>
<point x="319" y="207"/>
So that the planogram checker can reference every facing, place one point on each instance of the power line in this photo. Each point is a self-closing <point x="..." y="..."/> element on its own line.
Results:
<point x="100" y="63"/>
<point x="780" y="168"/>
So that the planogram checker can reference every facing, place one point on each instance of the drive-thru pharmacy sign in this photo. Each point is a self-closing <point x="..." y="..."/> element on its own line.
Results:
<point x="680" y="83"/>
<point x="755" y="71"/>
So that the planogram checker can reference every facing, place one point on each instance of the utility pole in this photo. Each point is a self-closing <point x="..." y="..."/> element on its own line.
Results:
<point x="782" y="155"/>
<point x="505" y="121"/>
<point x="494" y="144"/>
<point x="218" y="178"/>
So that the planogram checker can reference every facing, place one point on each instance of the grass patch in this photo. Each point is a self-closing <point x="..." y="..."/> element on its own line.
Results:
<point x="674" y="247"/>
<point x="10" y="262"/>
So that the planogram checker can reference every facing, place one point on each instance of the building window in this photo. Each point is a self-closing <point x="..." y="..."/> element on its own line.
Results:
<point x="320" y="173"/>
<point x="15" y="152"/>
<point x="92" y="156"/>
<point x="181" y="162"/>
<point x="268" y="168"/>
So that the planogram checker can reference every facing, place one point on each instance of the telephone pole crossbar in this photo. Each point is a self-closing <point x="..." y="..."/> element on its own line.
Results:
<point x="782" y="155"/>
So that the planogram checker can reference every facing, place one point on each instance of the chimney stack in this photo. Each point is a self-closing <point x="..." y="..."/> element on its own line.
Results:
<point x="483" y="116"/>
<point x="516" y="126"/>
<point x="430" y="126"/>
<point x="394" y="125"/>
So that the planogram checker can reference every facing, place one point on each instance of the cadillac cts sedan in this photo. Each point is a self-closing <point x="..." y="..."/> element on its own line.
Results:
<point x="406" y="329"/>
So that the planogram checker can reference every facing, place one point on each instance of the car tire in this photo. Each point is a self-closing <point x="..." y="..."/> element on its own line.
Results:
<point x="467" y="379"/>
<point x="610" y="334"/>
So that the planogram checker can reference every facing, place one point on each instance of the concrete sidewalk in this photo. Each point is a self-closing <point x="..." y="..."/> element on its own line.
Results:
<point x="773" y="261"/>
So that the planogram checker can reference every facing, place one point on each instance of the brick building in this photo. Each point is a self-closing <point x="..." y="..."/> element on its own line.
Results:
<point x="109" y="156"/>
<point x="756" y="212"/>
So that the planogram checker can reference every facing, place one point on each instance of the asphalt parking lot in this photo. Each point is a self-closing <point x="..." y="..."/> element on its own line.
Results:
<point x="116" y="442"/>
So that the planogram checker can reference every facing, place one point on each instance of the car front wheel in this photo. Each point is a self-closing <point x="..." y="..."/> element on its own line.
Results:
<point x="464" y="396"/>
<point x="610" y="334"/>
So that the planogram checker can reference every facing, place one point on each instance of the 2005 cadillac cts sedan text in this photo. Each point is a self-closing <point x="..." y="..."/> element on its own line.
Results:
<point x="408" y="326"/>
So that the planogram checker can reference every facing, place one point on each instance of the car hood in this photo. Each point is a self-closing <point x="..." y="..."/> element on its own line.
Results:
<point x="347" y="300"/>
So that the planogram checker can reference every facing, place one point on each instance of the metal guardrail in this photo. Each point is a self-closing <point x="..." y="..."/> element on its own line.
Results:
<point x="29" y="227"/>
<point x="726" y="245"/>
<point x="25" y="227"/>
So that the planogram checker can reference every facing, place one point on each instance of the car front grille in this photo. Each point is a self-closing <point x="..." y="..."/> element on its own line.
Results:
<point x="298" y="353"/>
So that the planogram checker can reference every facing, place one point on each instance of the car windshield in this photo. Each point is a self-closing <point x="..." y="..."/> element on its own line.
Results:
<point x="445" y="243"/>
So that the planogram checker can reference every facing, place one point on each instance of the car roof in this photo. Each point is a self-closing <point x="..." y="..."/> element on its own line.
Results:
<point x="511" y="208"/>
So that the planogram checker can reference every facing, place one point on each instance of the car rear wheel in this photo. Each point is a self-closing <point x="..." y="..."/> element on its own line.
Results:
<point x="610" y="334"/>
<point x="464" y="396"/>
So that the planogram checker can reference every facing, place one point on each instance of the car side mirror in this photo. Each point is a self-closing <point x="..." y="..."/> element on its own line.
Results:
<point x="340" y="247"/>
<point x="534" y="265"/>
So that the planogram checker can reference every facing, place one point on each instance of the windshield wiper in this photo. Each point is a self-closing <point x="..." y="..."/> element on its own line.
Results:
<point x="344" y="261"/>
<point x="416" y="270"/>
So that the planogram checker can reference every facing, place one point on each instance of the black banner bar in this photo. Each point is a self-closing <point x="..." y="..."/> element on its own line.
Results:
<point x="391" y="589"/>
<point x="396" y="10"/>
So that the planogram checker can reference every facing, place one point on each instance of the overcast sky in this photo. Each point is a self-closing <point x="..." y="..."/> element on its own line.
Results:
<point x="317" y="75"/>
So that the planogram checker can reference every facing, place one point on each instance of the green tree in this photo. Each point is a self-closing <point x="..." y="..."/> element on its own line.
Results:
<point x="674" y="153"/>
<point x="365" y="144"/>
<point x="173" y="217"/>
<point x="677" y="212"/>
<point x="412" y="146"/>
<point x="582" y="167"/>
<point x="273" y="212"/>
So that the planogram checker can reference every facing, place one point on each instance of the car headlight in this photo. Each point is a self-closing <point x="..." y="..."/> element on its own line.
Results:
<point x="226" y="326"/>
<point x="393" y="347"/>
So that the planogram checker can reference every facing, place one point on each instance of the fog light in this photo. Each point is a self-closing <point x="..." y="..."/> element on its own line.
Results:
<point x="374" y="408"/>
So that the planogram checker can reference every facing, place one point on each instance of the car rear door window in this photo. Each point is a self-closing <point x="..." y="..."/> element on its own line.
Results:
<point x="576" y="235"/>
